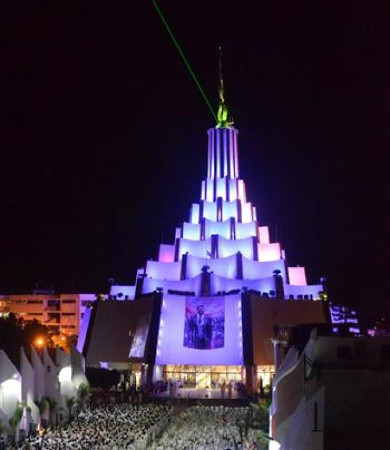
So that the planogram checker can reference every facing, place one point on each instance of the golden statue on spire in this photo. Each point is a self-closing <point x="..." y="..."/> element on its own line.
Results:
<point x="223" y="118"/>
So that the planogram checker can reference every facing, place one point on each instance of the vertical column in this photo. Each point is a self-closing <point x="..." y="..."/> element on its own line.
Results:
<point x="205" y="287"/>
<point x="151" y="344"/>
<point x="201" y="209"/>
<point x="251" y="379"/>
<point x="239" y="268"/>
<point x="139" y="285"/>
<point x="227" y="188"/>
<point x="177" y="249"/>
<point x="214" y="245"/>
<point x="225" y="159"/>
<point x="212" y="153"/>
<point x="218" y="168"/>
<point x="239" y="211"/>
<point x="236" y="153"/>
<point x="219" y="209"/>
<point x="255" y="248"/>
<point x="247" y="337"/>
<point x="232" y="229"/>
<point x="203" y="192"/>
<point x="209" y="155"/>
<point x="202" y="229"/>
<point x="231" y="154"/>
<point x="279" y="288"/>
<point x="183" y="274"/>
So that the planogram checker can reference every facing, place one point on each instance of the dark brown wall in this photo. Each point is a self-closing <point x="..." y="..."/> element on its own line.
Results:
<point x="266" y="313"/>
<point x="110" y="336"/>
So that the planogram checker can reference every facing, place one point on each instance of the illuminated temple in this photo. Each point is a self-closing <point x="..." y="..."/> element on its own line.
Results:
<point x="207" y="308"/>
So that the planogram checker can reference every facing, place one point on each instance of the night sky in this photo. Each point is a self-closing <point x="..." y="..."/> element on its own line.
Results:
<point x="103" y="136"/>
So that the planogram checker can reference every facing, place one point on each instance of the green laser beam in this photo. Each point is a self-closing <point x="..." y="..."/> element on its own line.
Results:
<point x="183" y="57"/>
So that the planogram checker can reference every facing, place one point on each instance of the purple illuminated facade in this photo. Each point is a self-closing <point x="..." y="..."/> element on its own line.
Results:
<point x="211" y="308"/>
<point x="222" y="248"/>
<point x="219" y="267"/>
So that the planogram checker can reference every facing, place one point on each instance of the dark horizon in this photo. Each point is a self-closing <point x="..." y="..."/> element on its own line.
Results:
<point x="104" y="137"/>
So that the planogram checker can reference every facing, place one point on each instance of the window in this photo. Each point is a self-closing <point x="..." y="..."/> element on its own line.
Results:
<point x="68" y="314"/>
<point x="344" y="352"/>
<point x="53" y="303"/>
<point x="69" y="301"/>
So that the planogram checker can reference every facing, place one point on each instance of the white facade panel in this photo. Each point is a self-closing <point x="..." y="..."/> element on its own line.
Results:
<point x="194" y="214"/>
<point x="264" y="235"/>
<point x="253" y="270"/>
<point x="220" y="228"/>
<point x="229" y="209"/>
<point x="210" y="211"/>
<point x="246" y="212"/>
<point x="163" y="271"/>
<point x="227" y="247"/>
<point x="221" y="188"/>
<point x="232" y="190"/>
<point x="210" y="190"/>
<point x="269" y="252"/>
<point x="166" y="253"/>
<point x="241" y="191"/>
<point x="297" y="276"/>
<point x="225" y="267"/>
<point x="191" y="231"/>
<point x="196" y="248"/>
<point x="244" y="230"/>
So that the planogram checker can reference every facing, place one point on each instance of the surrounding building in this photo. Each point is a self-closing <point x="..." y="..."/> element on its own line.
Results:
<point x="332" y="392"/>
<point x="61" y="313"/>
<point x="205" y="310"/>
<point x="32" y="374"/>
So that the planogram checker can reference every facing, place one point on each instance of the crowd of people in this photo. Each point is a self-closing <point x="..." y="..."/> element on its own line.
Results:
<point x="150" y="426"/>
<point x="208" y="428"/>
<point x="115" y="426"/>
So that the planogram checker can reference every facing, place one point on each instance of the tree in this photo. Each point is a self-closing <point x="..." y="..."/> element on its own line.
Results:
<point x="34" y="329"/>
<point x="60" y="415"/>
<point x="83" y="393"/>
<point x="53" y="406"/>
<point x="15" y="419"/>
<point x="43" y="406"/>
<point x="70" y="401"/>
<point x="258" y="420"/>
<point x="12" y="318"/>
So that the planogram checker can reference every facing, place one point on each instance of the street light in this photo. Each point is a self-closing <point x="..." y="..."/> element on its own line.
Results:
<point x="39" y="342"/>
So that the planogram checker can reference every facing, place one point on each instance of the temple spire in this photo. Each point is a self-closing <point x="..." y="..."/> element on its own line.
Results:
<point x="223" y="118"/>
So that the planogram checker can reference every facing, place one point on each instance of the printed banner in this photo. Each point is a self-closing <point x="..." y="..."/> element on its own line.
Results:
<point x="204" y="324"/>
<point x="137" y="349"/>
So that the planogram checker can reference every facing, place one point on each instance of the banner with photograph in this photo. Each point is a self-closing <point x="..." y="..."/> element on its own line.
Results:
<point x="137" y="349"/>
<point x="204" y="324"/>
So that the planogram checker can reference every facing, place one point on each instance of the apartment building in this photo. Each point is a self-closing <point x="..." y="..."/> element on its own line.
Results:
<point x="61" y="313"/>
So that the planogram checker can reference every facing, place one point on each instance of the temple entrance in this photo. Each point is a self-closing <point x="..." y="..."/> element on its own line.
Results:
<point x="191" y="377"/>
<point x="203" y="380"/>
